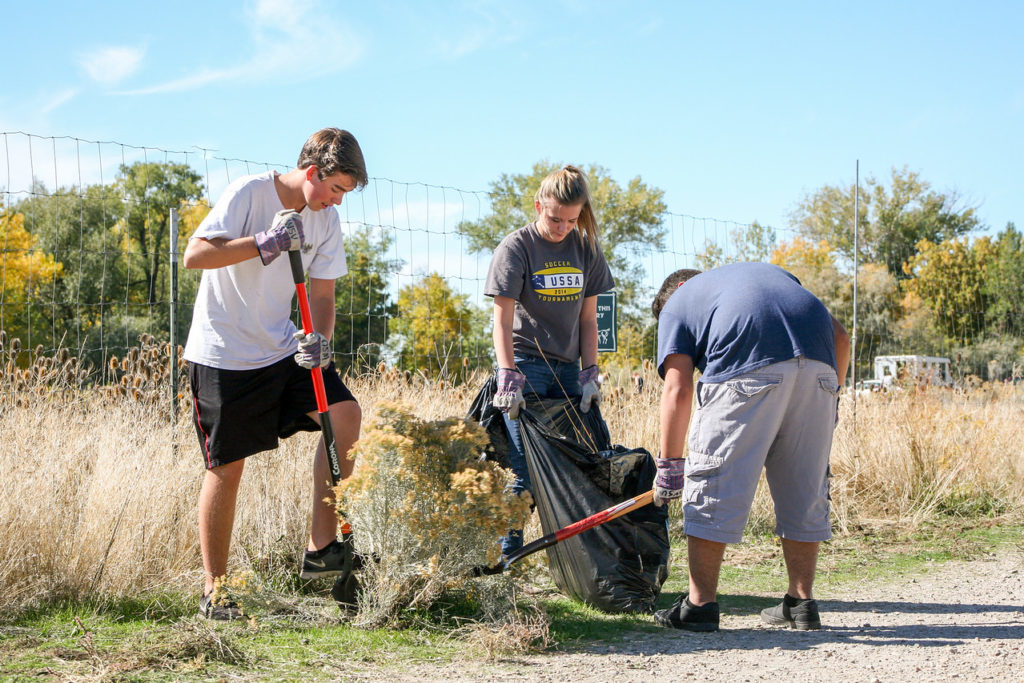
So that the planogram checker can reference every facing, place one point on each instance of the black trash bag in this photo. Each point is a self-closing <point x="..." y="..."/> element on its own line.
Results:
<point x="575" y="472"/>
<point x="490" y="418"/>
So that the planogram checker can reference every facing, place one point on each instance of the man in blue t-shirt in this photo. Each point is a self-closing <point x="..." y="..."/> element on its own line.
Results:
<point x="772" y="359"/>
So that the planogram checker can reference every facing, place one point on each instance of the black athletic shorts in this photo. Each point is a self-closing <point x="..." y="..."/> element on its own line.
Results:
<point x="241" y="412"/>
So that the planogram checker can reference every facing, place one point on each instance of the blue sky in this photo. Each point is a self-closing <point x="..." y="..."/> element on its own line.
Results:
<point x="735" y="110"/>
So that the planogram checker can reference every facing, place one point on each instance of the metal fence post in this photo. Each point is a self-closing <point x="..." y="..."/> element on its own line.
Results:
<point x="173" y="313"/>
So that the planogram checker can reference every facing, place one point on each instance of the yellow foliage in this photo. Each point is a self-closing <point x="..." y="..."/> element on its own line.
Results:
<point x="426" y="506"/>
<point x="22" y="266"/>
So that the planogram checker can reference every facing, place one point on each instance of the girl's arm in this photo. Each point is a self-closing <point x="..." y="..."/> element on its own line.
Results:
<point x="504" y="310"/>
<point x="588" y="332"/>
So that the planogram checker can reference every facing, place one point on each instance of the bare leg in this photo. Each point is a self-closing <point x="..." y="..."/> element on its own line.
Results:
<point x="345" y="420"/>
<point x="705" y="559"/>
<point x="217" y="518"/>
<point x="801" y="564"/>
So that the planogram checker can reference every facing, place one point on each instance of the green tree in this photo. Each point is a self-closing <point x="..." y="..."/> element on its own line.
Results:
<point x="438" y="331"/>
<point x="629" y="221"/>
<point x="78" y="226"/>
<point x="892" y="220"/>
<point x="150" y="191"/>
<point x="753" y="242"/>
<point x="1004" y="286"/>
<point x="363" y="301"/>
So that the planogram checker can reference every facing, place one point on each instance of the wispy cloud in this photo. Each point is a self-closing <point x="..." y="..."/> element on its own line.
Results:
<point x="112" y="64"/>
<point x="284" y="35"/>
<point x="487" y="24"/>
<point x="57" y="100"/>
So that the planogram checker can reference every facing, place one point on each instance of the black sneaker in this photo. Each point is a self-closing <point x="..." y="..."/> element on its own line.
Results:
<point x="229" y="611"/>
<point x="334" y="559"/>
<point x="794" y="613"/>
<point x="685" y="615"/>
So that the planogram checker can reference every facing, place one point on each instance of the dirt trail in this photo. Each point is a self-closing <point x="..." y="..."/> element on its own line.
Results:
<point x="963" y="620"/>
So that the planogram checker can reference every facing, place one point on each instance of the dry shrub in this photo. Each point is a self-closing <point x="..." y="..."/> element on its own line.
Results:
<point x="425" y="507"/>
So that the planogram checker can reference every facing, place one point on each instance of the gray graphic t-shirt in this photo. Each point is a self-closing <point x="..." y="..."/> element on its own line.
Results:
<point x="549" y="282"/>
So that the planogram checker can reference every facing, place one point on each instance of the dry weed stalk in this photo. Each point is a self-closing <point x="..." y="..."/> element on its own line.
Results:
<point x="98" y="496"/>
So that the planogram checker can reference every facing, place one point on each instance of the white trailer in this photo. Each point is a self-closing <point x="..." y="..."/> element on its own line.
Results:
<point x="930" y="370"/>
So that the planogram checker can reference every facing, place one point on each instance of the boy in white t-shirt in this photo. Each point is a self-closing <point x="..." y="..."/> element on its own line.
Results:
<point x="248" y="390"/>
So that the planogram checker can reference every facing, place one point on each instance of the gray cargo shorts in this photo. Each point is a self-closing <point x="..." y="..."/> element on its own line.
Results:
<point x="780" y="418"/>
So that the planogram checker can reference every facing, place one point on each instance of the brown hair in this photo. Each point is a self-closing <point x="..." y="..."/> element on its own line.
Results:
<point x="568" y="186"/>
<point x="333" y="150"/>
<point x="668" y="288"/>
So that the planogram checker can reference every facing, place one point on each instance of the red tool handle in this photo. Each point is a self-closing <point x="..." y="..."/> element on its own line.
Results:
<point x="299" y="277"/>
<point x="579" y="527"/>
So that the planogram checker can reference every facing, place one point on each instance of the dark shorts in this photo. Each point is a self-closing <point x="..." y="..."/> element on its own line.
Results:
<point x="241" y="412"/>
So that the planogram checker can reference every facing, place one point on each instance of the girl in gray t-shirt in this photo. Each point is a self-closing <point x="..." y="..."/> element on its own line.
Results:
<point x="545" y="278"/>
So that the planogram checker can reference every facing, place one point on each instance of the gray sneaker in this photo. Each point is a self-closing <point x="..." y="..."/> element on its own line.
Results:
<point x="794" y="613"/>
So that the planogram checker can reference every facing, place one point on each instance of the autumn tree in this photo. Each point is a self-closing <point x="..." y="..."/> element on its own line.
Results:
<point x="27" y="275"/>
<point x="438" y="331"/>
<point x="629" y="221"/>
<point x="950" y="277"/>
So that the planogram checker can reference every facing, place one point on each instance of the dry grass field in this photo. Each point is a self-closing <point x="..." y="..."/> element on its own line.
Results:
<point x="98" y="493"/>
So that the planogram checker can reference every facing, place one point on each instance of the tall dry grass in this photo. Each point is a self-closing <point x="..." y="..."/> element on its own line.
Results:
<point x="98" y="492"/>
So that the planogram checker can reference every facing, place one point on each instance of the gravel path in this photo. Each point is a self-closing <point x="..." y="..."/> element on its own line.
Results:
<point x="962" y="620"/>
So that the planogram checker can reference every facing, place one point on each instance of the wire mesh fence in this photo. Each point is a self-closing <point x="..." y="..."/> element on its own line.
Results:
<point x="87" y="269"/>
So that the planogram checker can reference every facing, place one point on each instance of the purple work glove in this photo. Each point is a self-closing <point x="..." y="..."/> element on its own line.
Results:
<point x="314" y="350"/>
<point x="668" y="485"/>
<point x="284" y="234"/>
<point x="509" y="397"/>
<point x="589" y="388"/>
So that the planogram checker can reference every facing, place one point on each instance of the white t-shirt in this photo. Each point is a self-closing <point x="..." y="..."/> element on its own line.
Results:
<point x="242" y="316"/>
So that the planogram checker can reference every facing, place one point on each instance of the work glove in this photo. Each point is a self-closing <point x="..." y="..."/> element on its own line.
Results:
<point x="314" y="350"/>
<point x="668" y="485"/>
<point x="589" y="388"/>
<point x="284" y="234"/>
<point x="509" y="398"/>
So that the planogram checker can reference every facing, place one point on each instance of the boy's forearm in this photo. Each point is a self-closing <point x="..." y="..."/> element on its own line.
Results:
<point x="207" y="254"/>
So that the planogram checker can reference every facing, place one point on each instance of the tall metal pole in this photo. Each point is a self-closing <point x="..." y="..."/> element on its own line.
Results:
<point x="173" y="313"/>
<point x="856" y="263"/>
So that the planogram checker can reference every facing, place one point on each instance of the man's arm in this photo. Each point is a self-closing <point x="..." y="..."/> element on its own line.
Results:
<point x="842" y="342"/>
<point x="588" y="332"/>
<point x="321" y="306"/>
<point x="676" y="403"/>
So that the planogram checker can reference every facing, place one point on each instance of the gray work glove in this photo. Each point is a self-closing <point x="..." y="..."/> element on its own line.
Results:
<point x="284" y="234"/>
<point x="589" y="388"/>
<point x="668" y="485"/>
<point x="314" y="350"/>
<point x="509" y="397"/>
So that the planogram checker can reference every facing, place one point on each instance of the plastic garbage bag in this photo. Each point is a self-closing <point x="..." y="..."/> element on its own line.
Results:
<point x="575" y="472"/>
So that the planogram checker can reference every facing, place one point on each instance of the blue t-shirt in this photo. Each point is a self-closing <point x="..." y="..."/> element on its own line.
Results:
<point x="743" y="316"/>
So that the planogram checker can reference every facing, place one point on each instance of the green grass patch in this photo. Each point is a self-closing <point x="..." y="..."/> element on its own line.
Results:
<point x="159" y="638"/>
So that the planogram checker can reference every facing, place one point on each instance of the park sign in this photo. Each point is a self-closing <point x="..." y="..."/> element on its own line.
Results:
<point x="607" y="322"/>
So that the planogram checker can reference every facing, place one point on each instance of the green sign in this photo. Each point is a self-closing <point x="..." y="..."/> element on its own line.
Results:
<point x="607" y="322"/>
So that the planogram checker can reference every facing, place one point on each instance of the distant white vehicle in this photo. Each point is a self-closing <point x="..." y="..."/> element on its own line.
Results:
<point x="930" y="370"/>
